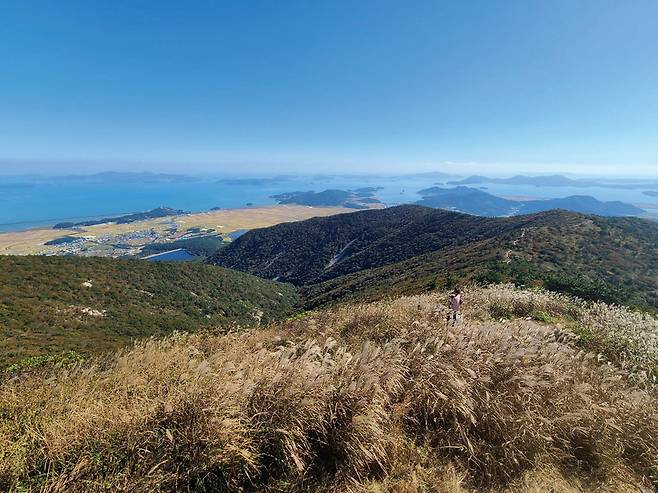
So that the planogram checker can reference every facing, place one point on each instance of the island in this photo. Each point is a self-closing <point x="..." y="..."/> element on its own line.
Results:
<point x="474" y="201"/>
<point x="367" y="191"/>
<point x="129" y="218"/>
<point x="63" y="240"/>
<point x="362" y="198"/>
<point x="556" y="181"/>
<point x="254" y="181"/>
<point x="113" y="177"/>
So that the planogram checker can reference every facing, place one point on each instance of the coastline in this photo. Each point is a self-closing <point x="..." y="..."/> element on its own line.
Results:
<point x="49" y="223"/>
<point x="139" y="233"/>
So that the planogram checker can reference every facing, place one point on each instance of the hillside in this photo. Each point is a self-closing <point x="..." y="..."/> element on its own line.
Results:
<point x="608" y="259"/>
<point x="409" y="249"/>
<point x="54" y="304"/>
<point x="362" y="398"/>
<point x="324" y="248"/>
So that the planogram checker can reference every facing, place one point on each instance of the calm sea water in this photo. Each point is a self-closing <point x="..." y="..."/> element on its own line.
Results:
<point x="29" y="205"/>
<point x="24" y="205"/>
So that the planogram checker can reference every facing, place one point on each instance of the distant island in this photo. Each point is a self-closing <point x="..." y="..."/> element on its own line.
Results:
<point x="15" y="186"/>
<point x="651" y="193"/>
<point x="429" y="175"/>
<point x="556" y="181"/>
<point x="474" y="201"/>
<point x="254" y="181"/>
<point x="362" y="198"/>
<point x="367" y="191"/>
<point x="129" y="218"/>
<point x="64" y="240"/>
<point x="110" y="177"/>
<point x="435" y="175"/>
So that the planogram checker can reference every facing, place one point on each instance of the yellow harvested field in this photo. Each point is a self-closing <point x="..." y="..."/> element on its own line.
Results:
<point x="224" y="221"/>
<point x="229" y="220"/>
<point x="28" y="242"/>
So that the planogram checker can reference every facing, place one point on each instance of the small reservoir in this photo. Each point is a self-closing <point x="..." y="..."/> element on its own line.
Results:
<point x="178" y="255"/>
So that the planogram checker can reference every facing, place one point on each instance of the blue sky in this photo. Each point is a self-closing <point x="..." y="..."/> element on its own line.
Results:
<point x="318" y="85"/>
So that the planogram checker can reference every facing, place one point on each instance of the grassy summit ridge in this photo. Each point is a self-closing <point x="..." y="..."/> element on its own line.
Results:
<point x="53" y="304"/>
<point x="366" y="397"/>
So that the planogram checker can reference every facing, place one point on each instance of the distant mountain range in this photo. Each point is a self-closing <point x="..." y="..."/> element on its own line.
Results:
<point x="109" y="177"/>
<point x="409" y="249"/>
<point x="473" y="201"/>
<point x="557" y="181"/>
<point x="104" y="178"/>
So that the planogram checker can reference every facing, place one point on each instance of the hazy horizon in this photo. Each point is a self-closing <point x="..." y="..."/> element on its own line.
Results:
<point x="247" y="168"/>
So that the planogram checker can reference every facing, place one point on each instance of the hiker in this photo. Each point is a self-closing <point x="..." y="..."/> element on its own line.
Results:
<point x="455" y="305"/>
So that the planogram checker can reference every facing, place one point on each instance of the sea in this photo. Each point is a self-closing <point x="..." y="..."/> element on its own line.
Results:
<point x="33" y="202"/>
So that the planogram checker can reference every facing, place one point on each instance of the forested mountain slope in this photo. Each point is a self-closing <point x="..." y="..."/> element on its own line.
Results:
<point x="410" y="249"/>
<point x="51" y="304"/>
<point x="324" y="248"/>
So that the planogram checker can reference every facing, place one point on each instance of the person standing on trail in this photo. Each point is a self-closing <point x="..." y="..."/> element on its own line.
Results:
<point x="455" y="303"/>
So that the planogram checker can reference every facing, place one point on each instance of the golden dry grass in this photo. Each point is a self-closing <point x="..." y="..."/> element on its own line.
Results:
<point x="225" y="221"/>
<point x="368" y="398"/>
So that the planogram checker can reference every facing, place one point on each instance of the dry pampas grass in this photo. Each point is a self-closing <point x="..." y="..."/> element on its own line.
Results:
<point x="373" y="397"/>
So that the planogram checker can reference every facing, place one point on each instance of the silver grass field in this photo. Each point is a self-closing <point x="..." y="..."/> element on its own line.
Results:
<point x="531" y="391"/>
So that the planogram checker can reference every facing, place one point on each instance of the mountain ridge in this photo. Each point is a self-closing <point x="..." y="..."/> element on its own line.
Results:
<point x="361" y="255"/>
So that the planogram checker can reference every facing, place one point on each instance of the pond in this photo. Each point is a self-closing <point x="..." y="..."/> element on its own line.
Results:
<point x="178" y="255"/>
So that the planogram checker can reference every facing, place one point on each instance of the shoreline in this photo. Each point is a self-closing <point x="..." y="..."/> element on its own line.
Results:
<point x="50" y="223"/>
<point x="102" y="239"/>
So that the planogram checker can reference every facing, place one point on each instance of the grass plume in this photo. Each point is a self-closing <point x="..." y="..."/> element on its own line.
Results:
<point x="371" y="397"/>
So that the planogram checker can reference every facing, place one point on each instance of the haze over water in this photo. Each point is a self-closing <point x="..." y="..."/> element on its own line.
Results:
<point x="26" y="204"/>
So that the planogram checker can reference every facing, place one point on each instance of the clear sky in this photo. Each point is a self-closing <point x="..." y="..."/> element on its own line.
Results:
<point x="498" y="86"/>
